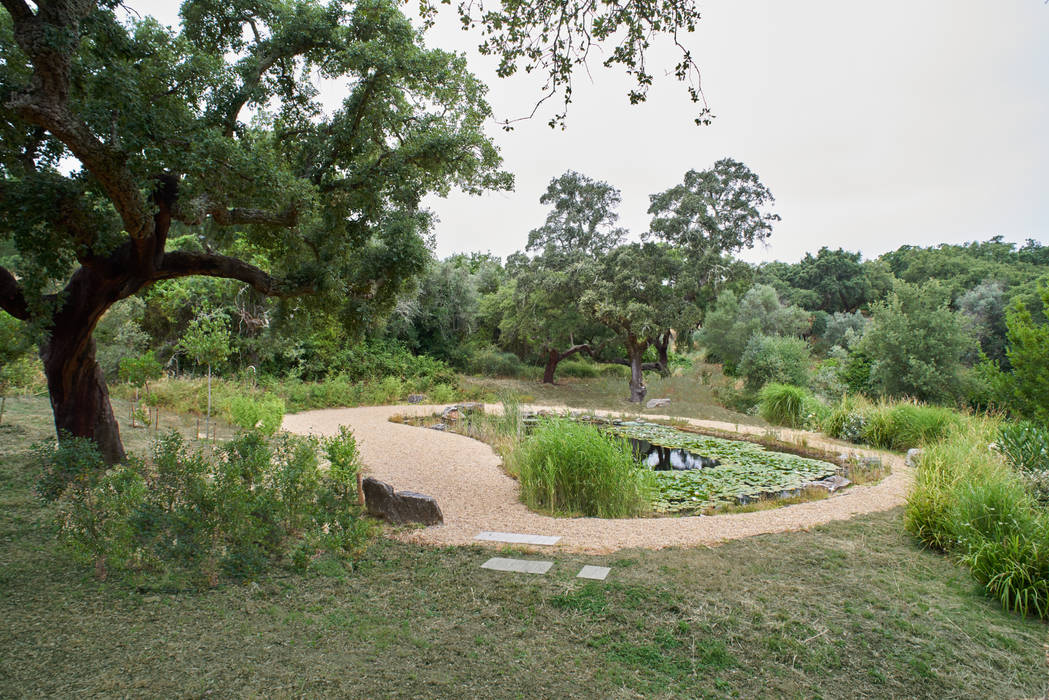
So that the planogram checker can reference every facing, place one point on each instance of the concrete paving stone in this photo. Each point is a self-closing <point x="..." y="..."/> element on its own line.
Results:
<point x="523" y="566"/>
<point x="598" y="573"/>
<point x="517" y="538"/>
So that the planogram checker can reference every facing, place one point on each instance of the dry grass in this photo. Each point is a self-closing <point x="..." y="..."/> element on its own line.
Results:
<point x="855" y="609"/>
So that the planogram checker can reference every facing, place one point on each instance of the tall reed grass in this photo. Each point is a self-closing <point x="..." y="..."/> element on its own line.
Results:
<point x="570" y="468"/>
<point x="967" y="501"/>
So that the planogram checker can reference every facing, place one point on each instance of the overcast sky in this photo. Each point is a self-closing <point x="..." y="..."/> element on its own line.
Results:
<point x="874" y="125"/>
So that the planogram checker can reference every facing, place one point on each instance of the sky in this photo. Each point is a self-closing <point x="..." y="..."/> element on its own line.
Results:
<point x="873" y="124"/>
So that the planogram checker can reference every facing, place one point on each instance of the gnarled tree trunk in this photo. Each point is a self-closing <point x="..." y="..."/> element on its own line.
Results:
<point x="636" y="348"/>
<point x="554" y="357"/>
<point x="79" y="397"/>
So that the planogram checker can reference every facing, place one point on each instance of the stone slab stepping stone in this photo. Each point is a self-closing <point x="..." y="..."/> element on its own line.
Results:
<point x="598" y="573"/>
<point x="517" y="538"/>
<point x="522" y="566"/>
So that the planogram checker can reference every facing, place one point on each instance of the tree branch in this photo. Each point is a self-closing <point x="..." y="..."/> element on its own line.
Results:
<point x="185" y="264"/>
<point x="11" y="298"/>
<point x="195" y="210"/>
<point x="48" y="38"/>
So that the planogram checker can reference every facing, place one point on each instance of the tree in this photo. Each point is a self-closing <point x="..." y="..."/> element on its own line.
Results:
<point x="709" y="217"/>
<point x="637" y="295"/>
<point x="207" y="343"/>
<point x="729" y="327"/>
<point x="117" y="133"/>
<point x="543" y="315"/>
<point x="985" y="307"/>
<point x="916" y="343"/>
<point x="1028" y="353"/>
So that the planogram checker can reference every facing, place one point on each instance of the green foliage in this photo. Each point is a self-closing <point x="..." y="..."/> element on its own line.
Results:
<point x="774" y="358"/>
<point x="985" y="307"/>
<point x="120" y="335"/>
<point x="967" y="501"/>
<point x="783" y="404"/>
<point x="344" y="460"/>
<point x="729" y="327"/>
<point x="207" y="340"/>
<point x="916" y="343"/>
<point x="844" y="329"/>
<point x="187" y="519"/>
<point x="832" y="281"/>
<point x="570" y="468"/>
<point x="491" y="362"/>
<point x="262" y="413"/>
<point x="846" y="420"/>
<point x="1025" y="446"/>
<point x="1028" y="354"/>
<point x="905" y="425"/>
<point x="140" y="370"/>
<point x="71" y="460"/>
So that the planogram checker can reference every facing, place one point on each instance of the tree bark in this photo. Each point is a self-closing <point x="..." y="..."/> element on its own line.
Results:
<point x="554" y="357"/>
<point x="662" y="344"/>
<point x="79" y="397"/>
<point x="636" y="348"/>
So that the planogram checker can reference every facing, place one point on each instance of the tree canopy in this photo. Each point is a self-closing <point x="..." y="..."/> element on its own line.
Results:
<point x="118" y="135"/>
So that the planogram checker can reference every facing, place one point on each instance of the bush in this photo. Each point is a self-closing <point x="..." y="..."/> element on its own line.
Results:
<point x="263" y="413"/>
<point x="967" y="501"/>
<point x="774" y="358"/>
<point x="845" y="421"/>
<point x="783" y="404"/>
<point x="494" y="363"/>
<point x="906" y="425"/>
<point x="570" y="468"/>
<point x="1025" y="447"/>
<point x="187" y="520"/>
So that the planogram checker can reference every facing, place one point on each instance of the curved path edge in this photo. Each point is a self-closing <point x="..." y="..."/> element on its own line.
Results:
<point x="466" y="478"/>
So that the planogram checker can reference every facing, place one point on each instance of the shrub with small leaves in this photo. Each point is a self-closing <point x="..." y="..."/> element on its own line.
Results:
<point x="188" y="518"/>
<point x="257" y="413"/>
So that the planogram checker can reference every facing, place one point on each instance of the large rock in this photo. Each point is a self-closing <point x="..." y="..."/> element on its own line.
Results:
<point x="400" y="506"/>
<point x="831" y="483"/>
<point x="656" y="403"/>
<point x="912" y="457"/>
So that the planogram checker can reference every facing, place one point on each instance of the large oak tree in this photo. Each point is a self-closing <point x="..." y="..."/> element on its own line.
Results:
<point x="116" y="132"/>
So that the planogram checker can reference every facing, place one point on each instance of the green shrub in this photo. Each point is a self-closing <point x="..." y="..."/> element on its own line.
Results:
<point x="344" y="460"/>
<point x="906" y="425"/>
<point x="845" y="421"/>
<point x="494" y="363"/>
<point x="579" y="369"/>
<point x="1025" y="446"/>
<point x="571" y="468"/>
<point x="263" y="413"/>
<point x="774" y="358"/>
<point x="967" y="501"/>
<point x="188" y="520"/>
<point x="71" y="459"/>
<point x="783" y="404"/>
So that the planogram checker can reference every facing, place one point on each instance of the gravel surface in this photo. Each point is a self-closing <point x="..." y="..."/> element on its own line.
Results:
<point x="465" y="477"/>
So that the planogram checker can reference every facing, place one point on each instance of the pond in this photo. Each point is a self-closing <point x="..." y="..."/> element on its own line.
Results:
<point x="698" y="473"/>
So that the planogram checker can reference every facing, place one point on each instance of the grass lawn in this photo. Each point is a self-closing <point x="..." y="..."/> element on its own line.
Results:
<point x="691" y="394"/>
<point x="853" y="609"/>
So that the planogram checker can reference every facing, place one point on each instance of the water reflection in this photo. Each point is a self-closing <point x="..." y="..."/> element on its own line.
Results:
<point x="662" y="458"/>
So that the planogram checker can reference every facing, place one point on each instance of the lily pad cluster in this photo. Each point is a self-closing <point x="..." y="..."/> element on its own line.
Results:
<point x="746" y="472"/>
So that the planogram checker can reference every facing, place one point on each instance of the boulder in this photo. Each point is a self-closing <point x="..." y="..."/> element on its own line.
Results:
<point x="656" y="403"/>
<point x="439" y="426"/>
<point x="400" y="506"/>
<point x="831" y="483"/>
<point x="416" y="398"/>
<point x="912" y="456"/>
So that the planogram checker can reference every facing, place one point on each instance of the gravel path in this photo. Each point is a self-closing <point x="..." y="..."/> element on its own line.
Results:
<point x="465" y="477"/>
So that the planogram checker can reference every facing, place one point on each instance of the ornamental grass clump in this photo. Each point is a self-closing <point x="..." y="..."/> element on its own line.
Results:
<point x="784" y="404"/>
<point x="574" y="469"/>
<point x="967" y="501"/>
